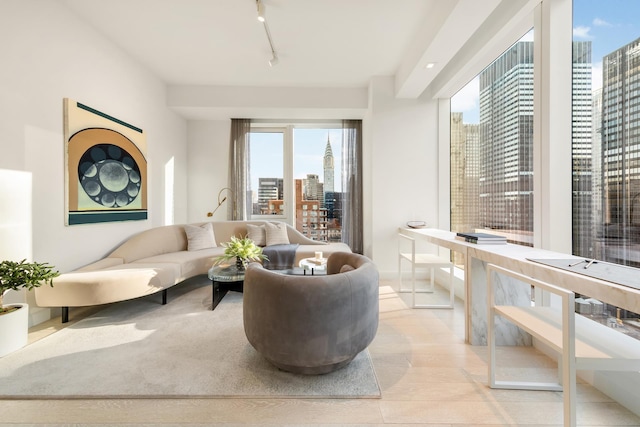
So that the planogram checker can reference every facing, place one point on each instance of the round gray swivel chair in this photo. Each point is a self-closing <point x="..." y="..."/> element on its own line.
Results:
<point x="312" y="324"/>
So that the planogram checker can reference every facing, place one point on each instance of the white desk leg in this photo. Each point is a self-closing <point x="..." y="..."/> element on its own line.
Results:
<point x="569" y="360"/>
<point x="491" y="343"/>
<point x="413" y="285"/>
<point x="433" y="281"/>
<point x="399" y="271"/>
<point x="452" y="295"/>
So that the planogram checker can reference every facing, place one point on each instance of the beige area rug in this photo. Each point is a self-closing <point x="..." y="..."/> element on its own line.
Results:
<point x="141" y="349"/>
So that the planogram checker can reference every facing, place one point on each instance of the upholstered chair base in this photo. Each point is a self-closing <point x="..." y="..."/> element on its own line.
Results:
<point x="312" y="324"/>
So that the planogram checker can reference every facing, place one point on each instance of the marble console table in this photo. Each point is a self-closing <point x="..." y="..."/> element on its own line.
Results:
<point x="511" y="291"/>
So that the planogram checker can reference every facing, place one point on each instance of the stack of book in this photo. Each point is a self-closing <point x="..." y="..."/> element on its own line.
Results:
<point x="482" y="238"/>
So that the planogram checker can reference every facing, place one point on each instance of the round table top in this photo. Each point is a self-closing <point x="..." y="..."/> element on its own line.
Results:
<point x="226" y="273"/>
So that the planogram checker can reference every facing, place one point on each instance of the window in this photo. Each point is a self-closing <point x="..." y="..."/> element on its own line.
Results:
<point x="318" y="179"/>
<point x="606" y="143"/>
<point x="492" y="148"/>
<point x="266" y="171"/>
<point x="295" y="170"/>
<point x="605" y="140"/>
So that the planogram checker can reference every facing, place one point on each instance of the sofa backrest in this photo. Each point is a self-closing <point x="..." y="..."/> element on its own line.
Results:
<point x="172" y="238"/>
<point x="223" y="230"/>
<point x="155" y="241"/>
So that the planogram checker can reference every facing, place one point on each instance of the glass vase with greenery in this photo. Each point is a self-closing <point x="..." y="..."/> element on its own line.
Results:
<point x="241" y="249"/>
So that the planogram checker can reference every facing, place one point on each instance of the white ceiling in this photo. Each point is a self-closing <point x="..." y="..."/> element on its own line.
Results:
<point x="320" y="43"/>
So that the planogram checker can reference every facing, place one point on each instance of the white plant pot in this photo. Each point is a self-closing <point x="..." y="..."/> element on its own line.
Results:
<point x="14" y="329"/>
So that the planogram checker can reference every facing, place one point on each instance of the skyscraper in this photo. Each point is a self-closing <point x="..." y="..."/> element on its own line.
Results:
<point x="328" y="168"/>
<point x="596" y="173"/>
<point x="465" y="170"/>
<point x="506" y="143"/>
<point x="313" y="188"/>
<point x="311" y="218"/>
<point x="268" y="189"/>
<point x="582" y="146"/>
<point x="621" y="153"/>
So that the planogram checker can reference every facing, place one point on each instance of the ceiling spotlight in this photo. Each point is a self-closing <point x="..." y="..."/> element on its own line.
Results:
<point x="274" y="60"/>
<point x="260" y="7"/>
<point x="430" y="65"/>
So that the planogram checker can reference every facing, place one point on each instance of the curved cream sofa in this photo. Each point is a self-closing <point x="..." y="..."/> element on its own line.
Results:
<point x="153" y="261"/>
<point x="312" y="324"/>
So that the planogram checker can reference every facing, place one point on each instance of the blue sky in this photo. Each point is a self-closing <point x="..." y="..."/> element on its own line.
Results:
<point x="308" y="153"/>
<point x="608" y="24"/>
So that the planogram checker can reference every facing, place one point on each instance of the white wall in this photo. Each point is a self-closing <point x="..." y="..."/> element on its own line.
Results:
<point x="400" y="167"/>
<point x="402" y="140"/>
<point x="290" y="103"/>
<point x="49" y="54"/>
<point x="208" y="146"/>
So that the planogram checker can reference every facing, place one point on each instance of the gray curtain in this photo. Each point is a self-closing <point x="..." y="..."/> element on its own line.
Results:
<point x="239" y="169"/>
<point x="352" y="227"/>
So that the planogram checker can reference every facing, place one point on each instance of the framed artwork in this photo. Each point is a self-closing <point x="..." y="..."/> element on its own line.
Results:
<point x="105" y="167"/>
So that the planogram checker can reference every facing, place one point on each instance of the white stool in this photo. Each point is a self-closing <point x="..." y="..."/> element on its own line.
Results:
<point x="427" y="261"/>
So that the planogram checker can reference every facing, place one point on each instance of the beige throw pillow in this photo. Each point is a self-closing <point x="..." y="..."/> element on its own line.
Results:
<point x="276" y="233"/>
<point x="200" y="237"/>
<point x="257" y="234"/>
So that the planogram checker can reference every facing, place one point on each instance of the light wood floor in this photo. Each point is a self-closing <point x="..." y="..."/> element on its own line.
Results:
<point x="428" y="377"/>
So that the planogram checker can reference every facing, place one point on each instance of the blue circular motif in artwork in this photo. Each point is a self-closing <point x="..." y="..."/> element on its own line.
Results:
<point x="109" y="175"/>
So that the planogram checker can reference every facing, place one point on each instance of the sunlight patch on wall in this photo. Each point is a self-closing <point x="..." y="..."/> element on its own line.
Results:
<point x="15" y="215"/>
<point x="15" y="221"/>
<point x="169" y="180"/>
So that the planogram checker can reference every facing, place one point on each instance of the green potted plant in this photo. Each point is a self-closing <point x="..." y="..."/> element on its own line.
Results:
<point x="242" y="250"/>
<point x="14" y="318"/>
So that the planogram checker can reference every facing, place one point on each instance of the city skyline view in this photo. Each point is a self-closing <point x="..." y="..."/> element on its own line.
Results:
<point x="266" y="154"/>
<point x="492" y="160"/>
<point x="492" y="142"/>
<point x="311" y="162"/>
<point x="608" y="25"/>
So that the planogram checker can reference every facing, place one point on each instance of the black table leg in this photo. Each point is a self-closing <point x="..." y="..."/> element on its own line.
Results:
<point x="220" y="289"/>
<point x="217" y="295"/>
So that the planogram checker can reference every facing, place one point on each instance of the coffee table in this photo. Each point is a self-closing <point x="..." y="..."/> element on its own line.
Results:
<point x="300" y="271"/>
<point x="313" y="264"/>
<point x="228" y="278"/>
<point x="225" y="278"/>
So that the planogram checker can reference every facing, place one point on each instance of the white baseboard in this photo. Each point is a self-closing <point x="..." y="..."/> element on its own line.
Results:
<point x="38" y="315"/>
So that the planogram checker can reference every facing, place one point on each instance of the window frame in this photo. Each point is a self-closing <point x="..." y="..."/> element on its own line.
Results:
<point x="285" y="149"/>
<point x="552" y="115"/>
<point x="288" y="190"/>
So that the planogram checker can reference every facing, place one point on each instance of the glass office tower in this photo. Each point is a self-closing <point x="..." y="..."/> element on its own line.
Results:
<point x="619" y="236"/>
<point x="506" y="144"/>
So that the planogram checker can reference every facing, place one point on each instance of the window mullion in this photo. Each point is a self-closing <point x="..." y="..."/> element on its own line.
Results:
<point x="289" y="202"/>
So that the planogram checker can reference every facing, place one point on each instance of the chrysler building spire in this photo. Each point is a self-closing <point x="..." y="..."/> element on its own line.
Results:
<point x="328" y="168"/>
